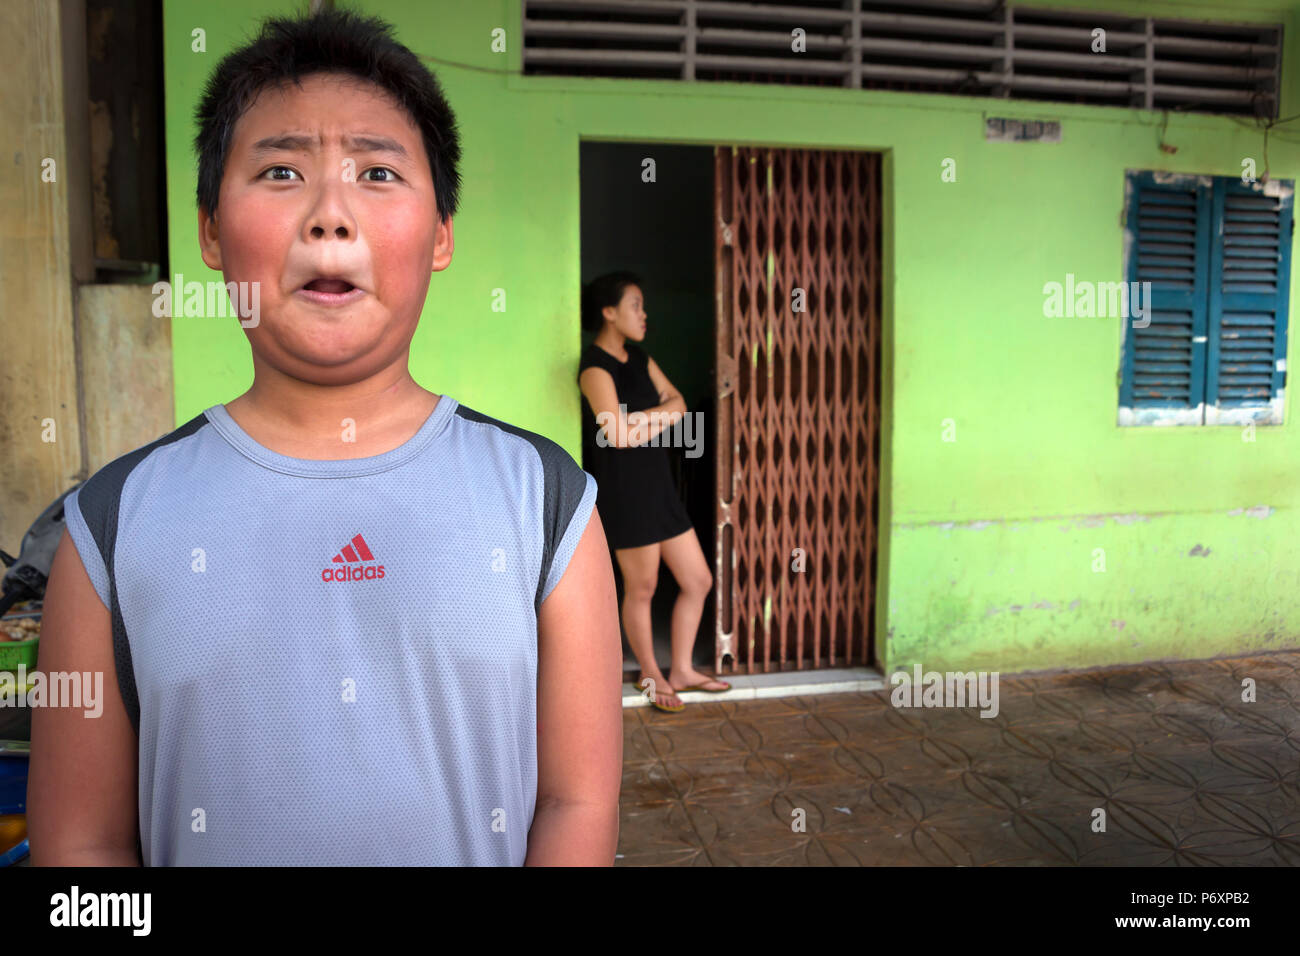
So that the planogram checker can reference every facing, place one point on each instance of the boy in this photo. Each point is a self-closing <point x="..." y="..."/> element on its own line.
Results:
<point x="351" y="621"/>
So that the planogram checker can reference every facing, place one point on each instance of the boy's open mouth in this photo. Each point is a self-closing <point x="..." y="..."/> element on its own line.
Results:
<point x="329" y="285"/>
<point x="326" y="291"/>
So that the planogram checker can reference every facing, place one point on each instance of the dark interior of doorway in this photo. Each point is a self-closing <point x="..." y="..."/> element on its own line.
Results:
<point x="663" y="231"/>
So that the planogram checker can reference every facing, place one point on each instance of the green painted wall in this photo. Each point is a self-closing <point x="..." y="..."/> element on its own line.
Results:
<point x="991" y="546"/>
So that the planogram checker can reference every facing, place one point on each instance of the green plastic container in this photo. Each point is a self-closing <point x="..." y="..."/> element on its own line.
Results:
<point x="15" y="653"/>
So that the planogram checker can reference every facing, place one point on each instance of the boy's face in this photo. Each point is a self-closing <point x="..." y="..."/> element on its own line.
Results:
<point x="327" y="201"/>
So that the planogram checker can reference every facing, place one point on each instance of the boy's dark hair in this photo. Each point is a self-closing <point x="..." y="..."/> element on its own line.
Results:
<point x="602" y="291"/>
<point x="331" y="41"/>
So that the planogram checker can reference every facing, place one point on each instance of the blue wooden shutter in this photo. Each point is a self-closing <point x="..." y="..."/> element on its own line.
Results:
<point x="1162" y="378"/>
<point x="1250" y="272"/>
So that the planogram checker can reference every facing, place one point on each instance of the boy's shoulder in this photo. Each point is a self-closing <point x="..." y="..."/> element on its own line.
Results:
<point x="568" y="495"/>
<point x="555" y="460"/>
<point x="564" y="479"/>
<point x="101" y="491"/>
<point x="91" y="512"/>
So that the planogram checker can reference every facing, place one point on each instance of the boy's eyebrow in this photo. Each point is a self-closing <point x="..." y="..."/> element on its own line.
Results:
<point x="284" y="142"/>
<point x="374" y="144"/>
<point x="297" y="142"/>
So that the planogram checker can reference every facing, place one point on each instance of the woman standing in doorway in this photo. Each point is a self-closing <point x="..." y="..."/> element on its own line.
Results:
<point x="638" y="504"/>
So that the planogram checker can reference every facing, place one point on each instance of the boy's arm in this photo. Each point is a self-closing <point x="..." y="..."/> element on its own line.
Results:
<point x="579" y="713"/>
<point x="81" y="788"/>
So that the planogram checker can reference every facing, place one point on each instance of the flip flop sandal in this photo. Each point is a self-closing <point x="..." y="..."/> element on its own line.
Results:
<point x="654" y="701"/>
<point x="665" y="708"/>
<point x="706" y="690"/>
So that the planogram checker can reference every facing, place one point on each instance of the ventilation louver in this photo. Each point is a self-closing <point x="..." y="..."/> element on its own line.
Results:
<point x="961" y="47"/>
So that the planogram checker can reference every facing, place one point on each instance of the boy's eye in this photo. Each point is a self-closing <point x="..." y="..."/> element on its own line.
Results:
<point x="280" y="169"/>
<point x="388" y="175"/>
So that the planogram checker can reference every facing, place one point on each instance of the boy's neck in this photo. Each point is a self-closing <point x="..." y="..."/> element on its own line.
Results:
<point x="324" y="422"/>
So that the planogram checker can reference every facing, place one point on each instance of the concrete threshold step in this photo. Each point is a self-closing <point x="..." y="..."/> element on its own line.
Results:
<point x="786" y="684"/>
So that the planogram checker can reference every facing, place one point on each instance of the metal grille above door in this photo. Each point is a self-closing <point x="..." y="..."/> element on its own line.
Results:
<point x="798" y="406"/>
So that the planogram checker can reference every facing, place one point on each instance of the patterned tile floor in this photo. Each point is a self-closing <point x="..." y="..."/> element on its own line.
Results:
<point x="1187" y="773"/>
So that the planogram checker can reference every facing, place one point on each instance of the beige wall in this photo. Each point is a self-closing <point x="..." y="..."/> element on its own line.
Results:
<point x="126" y="373"/>
<point x="85" y="370"/>
<point x="38" y="382"/>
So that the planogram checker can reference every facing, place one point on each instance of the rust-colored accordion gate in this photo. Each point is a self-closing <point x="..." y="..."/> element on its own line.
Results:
<point x="798" y="406"/>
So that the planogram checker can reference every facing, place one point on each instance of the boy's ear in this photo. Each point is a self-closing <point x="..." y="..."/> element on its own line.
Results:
<point x="444" y="243"/>
<point x="209" y="242"/>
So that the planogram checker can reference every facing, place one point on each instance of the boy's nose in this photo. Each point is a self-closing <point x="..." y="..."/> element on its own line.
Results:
<point x="340" y="231"/>
<point x="330" y="216"/>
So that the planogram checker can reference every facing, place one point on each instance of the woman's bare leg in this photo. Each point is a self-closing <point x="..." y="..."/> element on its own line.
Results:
<point x="684" y="558"/>
<point x="640" y="567"/>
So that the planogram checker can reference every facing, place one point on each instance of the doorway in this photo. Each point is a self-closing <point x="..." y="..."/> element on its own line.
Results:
<point x="647" y="208"/>
<point x="762" y="286"/>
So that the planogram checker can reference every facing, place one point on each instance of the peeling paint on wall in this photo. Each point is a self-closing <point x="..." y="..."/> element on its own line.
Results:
<point x="1129" y="416"/>
<point x="1085" y="521"/>
<point x="1278" y="189"/>
<point x="1016" y="608"/>
<point x="1130" y="519"/>
<point x="1166" y="178"/>
<point x="1258" y="511"/>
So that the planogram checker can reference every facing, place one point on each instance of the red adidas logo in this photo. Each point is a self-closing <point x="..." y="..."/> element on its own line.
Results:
<point x="356" y="552"/>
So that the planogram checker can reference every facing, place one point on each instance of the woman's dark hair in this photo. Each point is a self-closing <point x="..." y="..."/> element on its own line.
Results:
<point x="602" y="291"/>
<point x="331" y="41"/>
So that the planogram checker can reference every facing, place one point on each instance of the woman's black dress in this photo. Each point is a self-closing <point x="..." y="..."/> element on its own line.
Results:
<point x="636" y="497"/>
